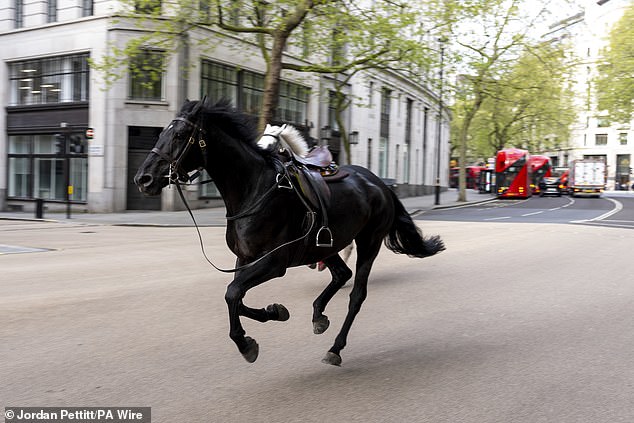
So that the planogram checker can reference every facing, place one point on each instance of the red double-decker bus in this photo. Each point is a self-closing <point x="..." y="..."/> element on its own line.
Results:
<point x="512" y="173"/>
<point x="472" y="173"/>
<point x="540" y="167"/>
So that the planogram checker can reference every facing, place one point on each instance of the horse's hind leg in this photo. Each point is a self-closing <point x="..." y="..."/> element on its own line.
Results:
<point x="341" y="273"/>
<point x="365" y="258"/>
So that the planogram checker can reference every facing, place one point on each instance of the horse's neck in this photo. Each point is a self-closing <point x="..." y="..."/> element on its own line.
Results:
<point x="239" y="173"/>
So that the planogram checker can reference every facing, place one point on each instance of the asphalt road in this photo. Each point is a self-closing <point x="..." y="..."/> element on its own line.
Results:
<point x="615" y="211"/>
<point x="513" y="323"/>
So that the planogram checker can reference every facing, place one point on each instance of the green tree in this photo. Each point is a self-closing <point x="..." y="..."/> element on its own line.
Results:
<point x="615" y="85"/>
<point x="488" y="38"/>
<point x="333" y="36"/>
<point x="530" y="105"/>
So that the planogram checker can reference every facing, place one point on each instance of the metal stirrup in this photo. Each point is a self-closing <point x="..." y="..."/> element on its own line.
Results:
<point x="328" y="232"/>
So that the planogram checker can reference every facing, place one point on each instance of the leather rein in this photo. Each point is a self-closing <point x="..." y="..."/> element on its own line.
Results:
<point x="179" y="177"/>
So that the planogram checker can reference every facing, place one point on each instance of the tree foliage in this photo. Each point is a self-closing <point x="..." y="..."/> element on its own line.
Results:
<point x="494" y="53"/>
<point x="615" y="85"/>
<point x="317" y="36"/>
<point x="529" y="105"/>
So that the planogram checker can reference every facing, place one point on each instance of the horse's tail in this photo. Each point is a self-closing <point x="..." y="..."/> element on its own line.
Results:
<point x="405" y="237"/>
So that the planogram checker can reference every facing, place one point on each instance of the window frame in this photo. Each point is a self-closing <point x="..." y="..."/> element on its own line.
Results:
<point x="62" y="79"/>
<point x="141" y="87"/>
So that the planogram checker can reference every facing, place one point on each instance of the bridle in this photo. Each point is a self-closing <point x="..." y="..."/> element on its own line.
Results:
<point x="176" y="173"/>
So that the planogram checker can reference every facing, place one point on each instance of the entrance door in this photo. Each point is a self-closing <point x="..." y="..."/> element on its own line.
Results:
<point x="141" y="139"/>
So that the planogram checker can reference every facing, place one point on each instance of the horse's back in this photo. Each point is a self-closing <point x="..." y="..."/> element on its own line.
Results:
<point x="364" y="193"/>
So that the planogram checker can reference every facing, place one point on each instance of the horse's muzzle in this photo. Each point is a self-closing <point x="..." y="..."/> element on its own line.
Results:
<point x="146" y="184"/>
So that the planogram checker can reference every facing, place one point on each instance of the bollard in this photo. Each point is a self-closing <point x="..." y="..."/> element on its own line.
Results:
<point x="39" y="208"/>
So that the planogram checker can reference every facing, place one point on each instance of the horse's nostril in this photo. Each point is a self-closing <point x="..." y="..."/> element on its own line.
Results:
<point x="144" y="180"/>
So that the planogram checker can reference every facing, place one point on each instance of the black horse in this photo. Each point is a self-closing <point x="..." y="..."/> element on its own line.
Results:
<point x="271" y="227"/>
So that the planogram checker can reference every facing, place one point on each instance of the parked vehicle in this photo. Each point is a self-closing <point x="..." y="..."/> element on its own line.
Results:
<point x="587" y="177"/>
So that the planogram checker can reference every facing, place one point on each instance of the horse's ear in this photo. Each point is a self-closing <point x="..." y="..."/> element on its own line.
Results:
<point x="267" y="129"/>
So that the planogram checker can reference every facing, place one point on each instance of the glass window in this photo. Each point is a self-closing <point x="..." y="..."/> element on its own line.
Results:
<point x="146" y="76"/>
<point x="19" y="177"/>
<point x="219" y="81"/>
<point x="51" y="11"/>
<point x="50" y="80"/>
<point x="37" y="171"/>
<point x="601" y="139"/>
<point x="383" y="157"/>
<point x="87" y="7"/>
<point x="293" y="103"/>
<point x="252" y="92"/>
<point x="147" y="6"/>
<point x="623" y="138"/>
<point x="19" y="13"/>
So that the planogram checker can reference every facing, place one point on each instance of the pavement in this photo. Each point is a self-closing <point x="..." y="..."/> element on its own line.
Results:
<point x="216" y="216"/>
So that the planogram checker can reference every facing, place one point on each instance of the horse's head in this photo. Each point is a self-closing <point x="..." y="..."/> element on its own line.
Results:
<point x="175" y="153"/>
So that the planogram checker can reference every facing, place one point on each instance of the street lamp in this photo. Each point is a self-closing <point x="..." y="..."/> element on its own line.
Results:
<point x="326" y="133"/>
<point x="442" y="41"/>
<point x="354" y="137"/>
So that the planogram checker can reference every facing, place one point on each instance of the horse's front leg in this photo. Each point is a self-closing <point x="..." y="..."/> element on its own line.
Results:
<point x="237" y="289"/>
<point x="271" y="312"/>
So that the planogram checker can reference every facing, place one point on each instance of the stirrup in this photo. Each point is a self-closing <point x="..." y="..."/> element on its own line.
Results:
<point x="280" y="181"/>
<point x="328" y="232"/>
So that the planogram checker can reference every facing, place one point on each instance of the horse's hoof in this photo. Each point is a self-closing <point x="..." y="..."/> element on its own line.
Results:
<point x="278" y="310"/>
<point x="332" y="358"/>
<point x="250" y="353"/>
<point x="320" y="325"/>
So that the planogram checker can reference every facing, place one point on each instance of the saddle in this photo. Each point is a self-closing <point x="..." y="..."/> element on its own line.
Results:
<point x="312" y="173"/>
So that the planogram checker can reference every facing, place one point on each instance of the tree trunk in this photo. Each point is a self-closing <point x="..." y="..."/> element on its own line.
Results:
<point x="271" y="93"/>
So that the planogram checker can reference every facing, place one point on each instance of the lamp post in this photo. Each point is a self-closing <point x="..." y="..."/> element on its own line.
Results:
<point x="354" y="137"/>
<point x="442" y="41"/>
<point x="326" y="134"/>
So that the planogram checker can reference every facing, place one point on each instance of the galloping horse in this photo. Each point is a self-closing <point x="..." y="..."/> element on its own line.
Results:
<point x="270" y="225"/>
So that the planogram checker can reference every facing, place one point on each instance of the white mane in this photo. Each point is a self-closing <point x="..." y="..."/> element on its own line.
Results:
<point x="288" y="136"/>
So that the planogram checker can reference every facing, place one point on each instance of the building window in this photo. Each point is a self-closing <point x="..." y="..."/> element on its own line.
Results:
<point x="293" y="103"/>
<point x="146" y="76"/>
<point x="87" y="7"/>
<point x="36" y="167"/>
<point x="49" y="81"/>
<point x="623" y="138"/>
<point x="383" y="157"/>
<point x="603" y="122"/>
<point x="369" y="153"/>
<point x="19" y="13"/>
<point x="147" y="6"/>
<point x="384" y="131"/>
<point x="252" y="92"/>
<point x="51" y="15"/>
<point x="219" y="81"/>
<point x="601" y="139"/>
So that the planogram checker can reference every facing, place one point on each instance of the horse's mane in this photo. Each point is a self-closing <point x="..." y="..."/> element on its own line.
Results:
<point x="287" y="136"/>
<point x="243" y="127"/>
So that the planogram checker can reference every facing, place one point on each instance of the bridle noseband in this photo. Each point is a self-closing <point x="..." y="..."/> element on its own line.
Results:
<point x="176" y="172"/>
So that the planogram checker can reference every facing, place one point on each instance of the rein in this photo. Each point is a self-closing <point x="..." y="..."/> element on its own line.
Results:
<point x="282" y="181"/>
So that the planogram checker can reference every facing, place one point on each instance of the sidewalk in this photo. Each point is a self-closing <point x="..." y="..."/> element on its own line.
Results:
<point x="216" y="216"/>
